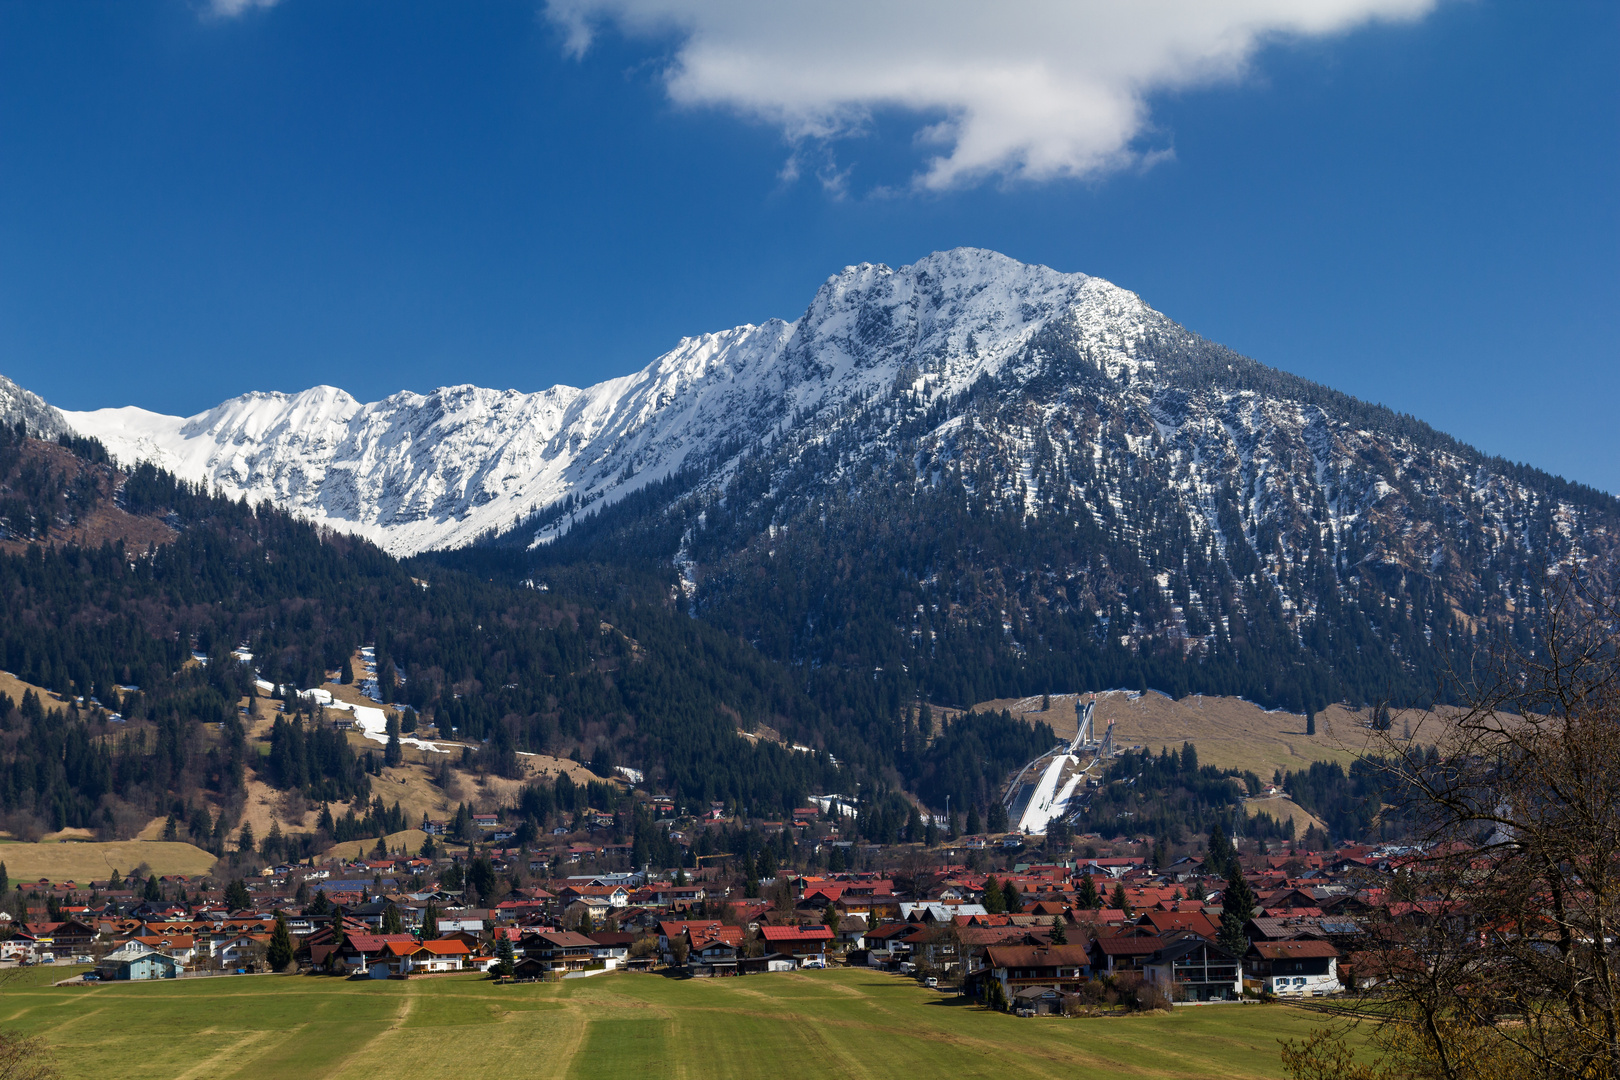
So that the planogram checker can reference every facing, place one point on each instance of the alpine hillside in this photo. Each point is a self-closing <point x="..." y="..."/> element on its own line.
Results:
<point x="979" y="476"/>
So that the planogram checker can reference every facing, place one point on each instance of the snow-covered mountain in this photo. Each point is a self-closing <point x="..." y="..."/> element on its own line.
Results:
<point x="1004" y="475"/>
<point x="416" y="471"/>
<point x="19" y="406"/>
<point x="1045" y="391"/>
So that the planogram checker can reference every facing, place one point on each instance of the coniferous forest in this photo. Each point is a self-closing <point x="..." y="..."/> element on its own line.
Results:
<point x="605" y="667"/>
<point x="826" y="625"/>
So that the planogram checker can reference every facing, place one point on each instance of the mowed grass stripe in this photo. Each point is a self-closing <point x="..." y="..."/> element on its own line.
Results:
<point x="640" y="1027"/>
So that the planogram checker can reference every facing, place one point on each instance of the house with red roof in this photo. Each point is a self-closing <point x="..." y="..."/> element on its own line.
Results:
<point x="435" y="957"/>
<point x="1017" y="967"/>
<point x="803" y="943"/>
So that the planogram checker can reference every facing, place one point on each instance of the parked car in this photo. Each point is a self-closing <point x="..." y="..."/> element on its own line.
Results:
<point x="931" y="982"/>
<point x="813" y="962"/>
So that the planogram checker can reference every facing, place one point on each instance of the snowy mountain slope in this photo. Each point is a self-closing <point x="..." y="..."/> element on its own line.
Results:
<point x="1016" y="478"/>
<point x="1037" y="391"/>
<point x="19" y="406"/>
<point x="422" y="471"/>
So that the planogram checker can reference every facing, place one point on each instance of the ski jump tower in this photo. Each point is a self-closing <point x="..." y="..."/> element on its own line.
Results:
<point x="1085" y="735"/>
<point x="1083" y="729"/>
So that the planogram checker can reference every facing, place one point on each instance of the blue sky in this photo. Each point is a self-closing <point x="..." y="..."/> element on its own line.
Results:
<point x="382" y="195"/>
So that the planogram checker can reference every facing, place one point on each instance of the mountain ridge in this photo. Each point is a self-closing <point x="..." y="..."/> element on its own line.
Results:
<point x="970" y="464"/>
<point x="418" y="471"/>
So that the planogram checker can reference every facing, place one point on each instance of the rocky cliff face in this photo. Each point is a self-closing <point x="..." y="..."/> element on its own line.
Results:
<point x="19" y="406"/>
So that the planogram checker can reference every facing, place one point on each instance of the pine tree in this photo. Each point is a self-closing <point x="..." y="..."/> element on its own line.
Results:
<point x="321" y="904"/>
<point x="279" y="952"/>
<point x="973" y="827"/>
<point x="1010" y="896"/>
<point x="236" y="895"/>
<point x="5" y="879"/>
<point x="1060" y="933"/>
<point x="153" y="890"/>
<point x="348" y="671"/>
<point x="1222" y="855"/>
<point x="391" y="921"/>
<point x="993" y="901"/>
<point x="1237" y="907"/>
<point x="1118" y="900"/>
<point x="1089" y="898"/>
<point x="393" y="753"/>
<point x="995" y="997"/>
<point x="244" y="839"/>
<point x="1310" y="722"/>
<point x="505" y="959"/>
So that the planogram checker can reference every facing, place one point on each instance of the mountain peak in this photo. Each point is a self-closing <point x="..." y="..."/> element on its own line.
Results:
<point x="877" y="350"/>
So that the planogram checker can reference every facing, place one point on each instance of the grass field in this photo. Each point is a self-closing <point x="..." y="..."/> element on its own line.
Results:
<point x="784" y="1026"/>
<point x="83" y="862"/>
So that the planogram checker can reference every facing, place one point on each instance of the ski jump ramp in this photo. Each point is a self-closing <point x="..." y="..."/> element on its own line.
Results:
<point x="1051" y="792"/>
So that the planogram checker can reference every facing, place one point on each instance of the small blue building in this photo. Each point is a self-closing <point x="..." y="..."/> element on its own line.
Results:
<point x="132" y="960"/>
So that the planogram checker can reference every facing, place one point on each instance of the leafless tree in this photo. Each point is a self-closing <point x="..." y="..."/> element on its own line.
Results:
<point x="25" y="1057"/>
<point x="1500" y="961"/>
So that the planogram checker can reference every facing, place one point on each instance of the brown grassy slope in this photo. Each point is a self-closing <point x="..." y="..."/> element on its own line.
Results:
<point x="409" y="841"/>
<point x="1282" y="809"/>
<point x="83" y="862"/>
<point x="1228" y="732"/>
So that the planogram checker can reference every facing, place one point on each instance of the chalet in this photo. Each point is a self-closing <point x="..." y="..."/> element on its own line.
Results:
<point x="74" y="935"/>
<point x="800" y="942"/>
<point x="242" y="949"/>
<point x="1299" y="968"/>
<point x="559" y="950"/>
<point x="429" y="957"/>
<point x="597" y="899"/>
<point x="891" y="942"/>
<point x="716" y="952"/>
<point x="360" y="952"/>
<point x="183" y="947"/>
<point x="1112" y="955"/>
<point x="612" y="944"/>
<point x="1016" y="967"/>
<point x="671" y="931"/>
<point x="1189" y="968"/>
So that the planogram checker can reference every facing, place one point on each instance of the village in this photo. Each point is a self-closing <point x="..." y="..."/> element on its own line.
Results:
<point x="1070" y="935"/>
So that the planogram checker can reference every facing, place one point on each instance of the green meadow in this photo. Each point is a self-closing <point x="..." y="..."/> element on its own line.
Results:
<point x="783" y="1026"/>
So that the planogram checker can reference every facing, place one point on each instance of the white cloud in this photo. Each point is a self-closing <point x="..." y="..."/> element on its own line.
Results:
<point x="227" y="9"/>
<point x="1030" y="90"/>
